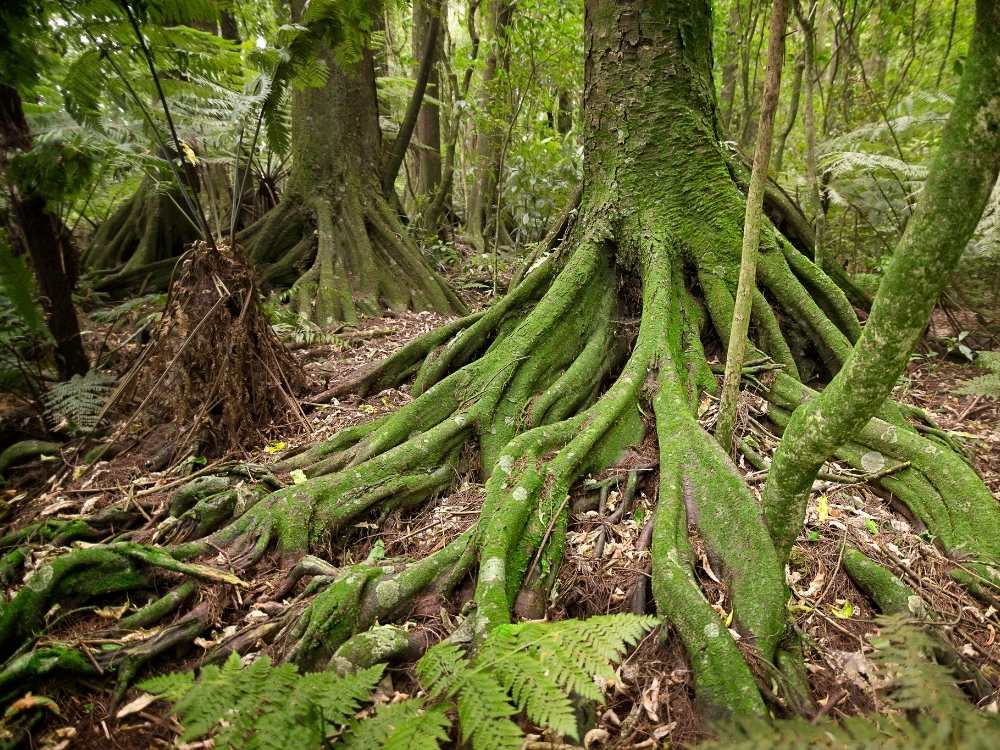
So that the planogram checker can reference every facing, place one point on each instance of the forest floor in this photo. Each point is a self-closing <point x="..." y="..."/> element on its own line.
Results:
<point x="652" y="701"/>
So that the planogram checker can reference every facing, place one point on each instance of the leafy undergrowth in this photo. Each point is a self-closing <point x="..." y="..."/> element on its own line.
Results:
<point x="529" y="669"/>
<point x="649" y="699"/>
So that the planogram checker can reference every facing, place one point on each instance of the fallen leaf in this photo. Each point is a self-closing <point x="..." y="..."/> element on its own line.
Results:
<point x="845" y="611"/>
<point x="651" y="699"/>
<point x="134" y="707"/>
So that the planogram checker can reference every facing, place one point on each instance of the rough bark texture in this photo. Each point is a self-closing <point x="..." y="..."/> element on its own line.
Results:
<point x="48" y="243"/>
<point x="334" y="231"/>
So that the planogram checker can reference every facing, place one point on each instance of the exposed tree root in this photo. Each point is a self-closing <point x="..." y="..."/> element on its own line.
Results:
<point x="140" y="242"/>
<point x="344" y="261"/>
<point x="603" y="341"/>
<point x="553" y="382"/>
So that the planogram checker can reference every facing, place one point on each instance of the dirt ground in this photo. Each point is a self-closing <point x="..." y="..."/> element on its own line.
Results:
<point x="605" y="567"/>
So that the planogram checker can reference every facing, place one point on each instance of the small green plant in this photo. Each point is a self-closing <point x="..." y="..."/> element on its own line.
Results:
<point x="528" y="668"/>
<point x="75" y="405"/>
<point x="987" y="385"/>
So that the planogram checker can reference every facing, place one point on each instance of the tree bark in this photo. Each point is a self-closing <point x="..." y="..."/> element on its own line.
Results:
<point x="481" y="207"/>
<point x="427" y="155"/>
<point x="751" y="230"/>
<point x="47" y="241"/>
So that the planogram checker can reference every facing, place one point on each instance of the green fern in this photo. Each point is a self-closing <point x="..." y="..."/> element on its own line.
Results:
<point x="76" y="404"/>
<point x="261" y="706"/>
<point x="406" y="725"/>
<point x="987" y="385"/>
<point x="528" y="668"/>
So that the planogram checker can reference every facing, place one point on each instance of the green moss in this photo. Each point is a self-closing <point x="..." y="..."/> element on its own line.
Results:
<point x="890" y="594"/>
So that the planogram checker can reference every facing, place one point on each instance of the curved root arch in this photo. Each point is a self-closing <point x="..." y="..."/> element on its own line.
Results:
<point x="344" y="259"/>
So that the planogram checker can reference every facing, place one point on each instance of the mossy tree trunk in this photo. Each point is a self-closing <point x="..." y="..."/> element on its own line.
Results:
<point x="553" y="382"/>
<point x="138" y="245"/>
<point x="334" y="234"/>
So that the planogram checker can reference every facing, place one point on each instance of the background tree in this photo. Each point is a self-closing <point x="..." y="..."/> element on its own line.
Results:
<point x="32" y="184"/>
<point x="334" y="221"/>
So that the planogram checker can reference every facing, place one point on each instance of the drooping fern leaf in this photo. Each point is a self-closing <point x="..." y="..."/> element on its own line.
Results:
<point x="76" y="404"/>
<point x="264" y="707"/>
<point x="987" y="385"/>
<point x="18" y="288"/>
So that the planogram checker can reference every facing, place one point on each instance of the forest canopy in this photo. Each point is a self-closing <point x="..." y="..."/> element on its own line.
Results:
<point x="500" y="373"/>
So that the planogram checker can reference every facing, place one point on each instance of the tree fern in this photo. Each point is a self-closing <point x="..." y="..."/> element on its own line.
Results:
<point x="76" y="404"/>
<point x="984" y="385"/>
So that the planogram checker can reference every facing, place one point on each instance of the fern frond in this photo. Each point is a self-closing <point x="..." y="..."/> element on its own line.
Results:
<point x="440" y="669"/>
<point x="78" y="402"/>
<point x="536" y="693"/>
<point x="170" y="687"/>
<point x="18" y="288"/>
<point x="987" y="385"/>
<point x="262" y="706"/>
<point x="400" y="726"/>
<point x="484" y="714"/>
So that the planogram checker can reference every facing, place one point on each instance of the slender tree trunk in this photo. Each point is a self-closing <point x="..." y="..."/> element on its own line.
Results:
<point x="47" y="241"/>
<point x="751" y="230"/>
<point x="489" y="139"/>
<point x="427" y="156"/>
<point x="807" y="20"/>
<point x="564" y="112"/>
<point x="793" y="112"/>
<point x="400" y="145"/>
<point x="730" y="65"/>
<point x="962" y="175"/>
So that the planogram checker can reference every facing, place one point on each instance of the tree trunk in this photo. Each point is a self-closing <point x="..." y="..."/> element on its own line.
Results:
<point x="136" y="247"/>
<point x="751" y="230"/>
<point x="427" y="156"/>
<point x="47" y="241"/>
<point x="334" y="230"/>
<point x="482" y="200"/>
<point x="793" y="111"/>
